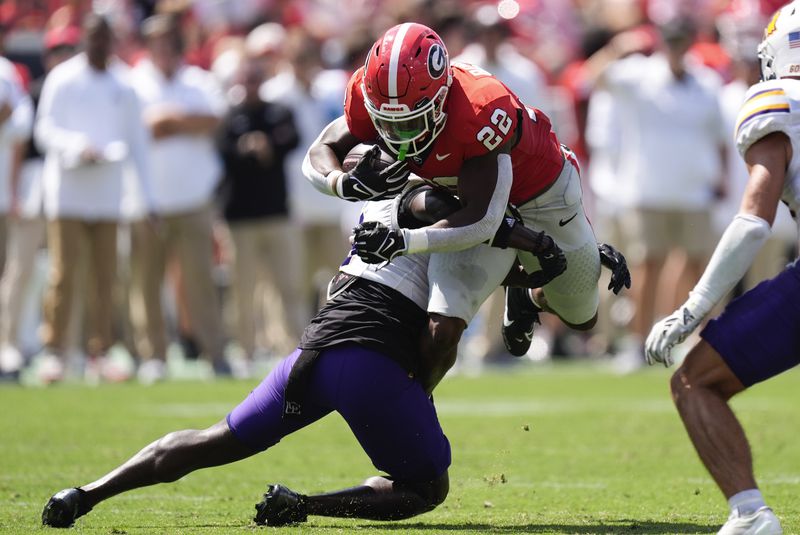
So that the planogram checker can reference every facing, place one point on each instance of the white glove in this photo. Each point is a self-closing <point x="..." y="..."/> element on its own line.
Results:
<point x="673" y="330"/>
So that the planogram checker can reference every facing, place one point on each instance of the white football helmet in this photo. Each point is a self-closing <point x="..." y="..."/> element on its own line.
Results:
<point x="779" y="52"/>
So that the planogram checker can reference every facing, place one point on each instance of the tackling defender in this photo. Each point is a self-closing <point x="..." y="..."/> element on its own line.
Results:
<point x="459" y="127"/>
<point x="357" y="357"/>
<point x="755" y="338"/>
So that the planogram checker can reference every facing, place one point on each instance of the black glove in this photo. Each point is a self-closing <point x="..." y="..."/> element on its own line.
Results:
<point x="374" y="242"/>
<point x="551" y="259"/>
<point x="615" y="261"/>
<point x="365" y="183"/>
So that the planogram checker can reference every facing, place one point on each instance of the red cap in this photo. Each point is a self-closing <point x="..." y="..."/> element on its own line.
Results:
<point x="62" y="36"/>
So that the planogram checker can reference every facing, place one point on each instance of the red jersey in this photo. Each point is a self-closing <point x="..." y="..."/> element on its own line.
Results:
<point x="482" y="114"/>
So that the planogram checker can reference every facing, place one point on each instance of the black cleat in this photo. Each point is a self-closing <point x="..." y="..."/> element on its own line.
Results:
<point x="64" y="507"/>
<point x="280" y="506"/>
<point x="518" y="319"/>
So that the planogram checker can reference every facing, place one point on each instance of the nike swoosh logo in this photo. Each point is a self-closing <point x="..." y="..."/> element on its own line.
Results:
<point x="563" y="222"/>
<point x="441" y="157"/>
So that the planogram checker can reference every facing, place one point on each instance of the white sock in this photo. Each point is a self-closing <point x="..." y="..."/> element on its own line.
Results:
<point x="746" y="502"/>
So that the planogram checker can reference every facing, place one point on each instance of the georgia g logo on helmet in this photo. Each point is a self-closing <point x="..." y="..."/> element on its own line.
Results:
<point x="405" y="87"/>
<point x="437" y="61"/>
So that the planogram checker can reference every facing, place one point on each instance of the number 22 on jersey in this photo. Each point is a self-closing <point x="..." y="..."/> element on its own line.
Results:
<point x="489" y="136"/>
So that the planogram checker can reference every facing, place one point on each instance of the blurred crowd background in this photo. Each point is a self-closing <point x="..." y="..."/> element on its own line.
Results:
<point x="154" y="221"/>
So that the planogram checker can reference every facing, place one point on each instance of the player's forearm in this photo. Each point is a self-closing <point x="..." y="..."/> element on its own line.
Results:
<point x="320" y="170"/>
<point x="732" y="257"/>
<point x="525" y="239"/>
<point x="465" y="228"/>
<point x="322" y="165"/>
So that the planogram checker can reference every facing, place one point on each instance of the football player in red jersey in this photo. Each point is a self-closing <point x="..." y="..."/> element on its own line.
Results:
<point x="459" y="127"/>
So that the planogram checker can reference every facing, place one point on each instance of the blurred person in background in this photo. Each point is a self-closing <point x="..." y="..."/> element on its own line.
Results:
<point x="254" y="139"/>
<point x="181" y="106"/>
<point x="601" y="145"/>
<point x="16" y="118"/>
<point x="89" y="126"/>
<point x="26" y="233"/>
<point x="318" y="216"/>
<point x="671" y="169"/>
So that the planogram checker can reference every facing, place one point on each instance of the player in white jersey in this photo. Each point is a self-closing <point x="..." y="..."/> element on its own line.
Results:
<point x="756" y="337"/>
<point x="359" y="356"/>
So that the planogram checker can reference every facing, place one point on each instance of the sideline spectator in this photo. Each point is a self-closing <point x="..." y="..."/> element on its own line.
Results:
<point x="671" y="169"/>
<point x="89" y="124"/>
<point x="254" y="139"/>
<point x="16" y="117"/>
<point x="182" y="105"/>
<point x="27" y="226"/>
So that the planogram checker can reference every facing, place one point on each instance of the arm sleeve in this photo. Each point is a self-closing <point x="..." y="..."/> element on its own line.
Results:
<point x="429" y="239"/>
<point x="733" y="256"/>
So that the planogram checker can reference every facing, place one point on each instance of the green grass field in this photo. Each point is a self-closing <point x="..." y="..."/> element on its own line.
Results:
<point x="563" y="449"/>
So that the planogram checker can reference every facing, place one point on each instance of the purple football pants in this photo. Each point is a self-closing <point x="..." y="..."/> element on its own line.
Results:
<point x="758" y="334"/>
<point x="388" y="412"/>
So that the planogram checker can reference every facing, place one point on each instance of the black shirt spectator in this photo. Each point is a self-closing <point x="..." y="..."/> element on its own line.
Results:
<point x="254" y="139"/>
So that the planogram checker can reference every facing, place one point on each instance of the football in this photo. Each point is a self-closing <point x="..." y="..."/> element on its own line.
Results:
<point x="358" y="151"/>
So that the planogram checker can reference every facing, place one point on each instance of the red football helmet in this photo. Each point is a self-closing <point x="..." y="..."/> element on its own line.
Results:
<point x="406" y="78"/>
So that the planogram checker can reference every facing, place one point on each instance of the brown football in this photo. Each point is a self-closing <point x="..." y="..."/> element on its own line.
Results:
<point x="358" y="151"/>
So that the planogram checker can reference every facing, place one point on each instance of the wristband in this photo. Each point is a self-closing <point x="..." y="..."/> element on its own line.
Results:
<point x="334" y="179"/>
<point x="416" y="240"/>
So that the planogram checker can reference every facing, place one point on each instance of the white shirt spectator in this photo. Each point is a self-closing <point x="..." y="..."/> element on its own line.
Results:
<point x="672" y="131"/>
<point x="186" y="168"/>
<point x="15" y="129"/>
<point x="81" y="107"/>
<point x="603" y="140"/>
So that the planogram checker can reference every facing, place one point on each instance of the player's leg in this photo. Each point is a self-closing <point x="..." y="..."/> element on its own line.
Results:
<point x="459" y="284"/>
<point x="439" y="346"/>
<point x="395" y="422"/>
<point x="254" y="425"/>
<point x="701" y="388"/>
<point x="573" y="296"/>
<point x="754" y="339"/>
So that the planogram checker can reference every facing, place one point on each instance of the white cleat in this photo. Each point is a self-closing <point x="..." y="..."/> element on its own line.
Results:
<point x="762" y="522"/>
